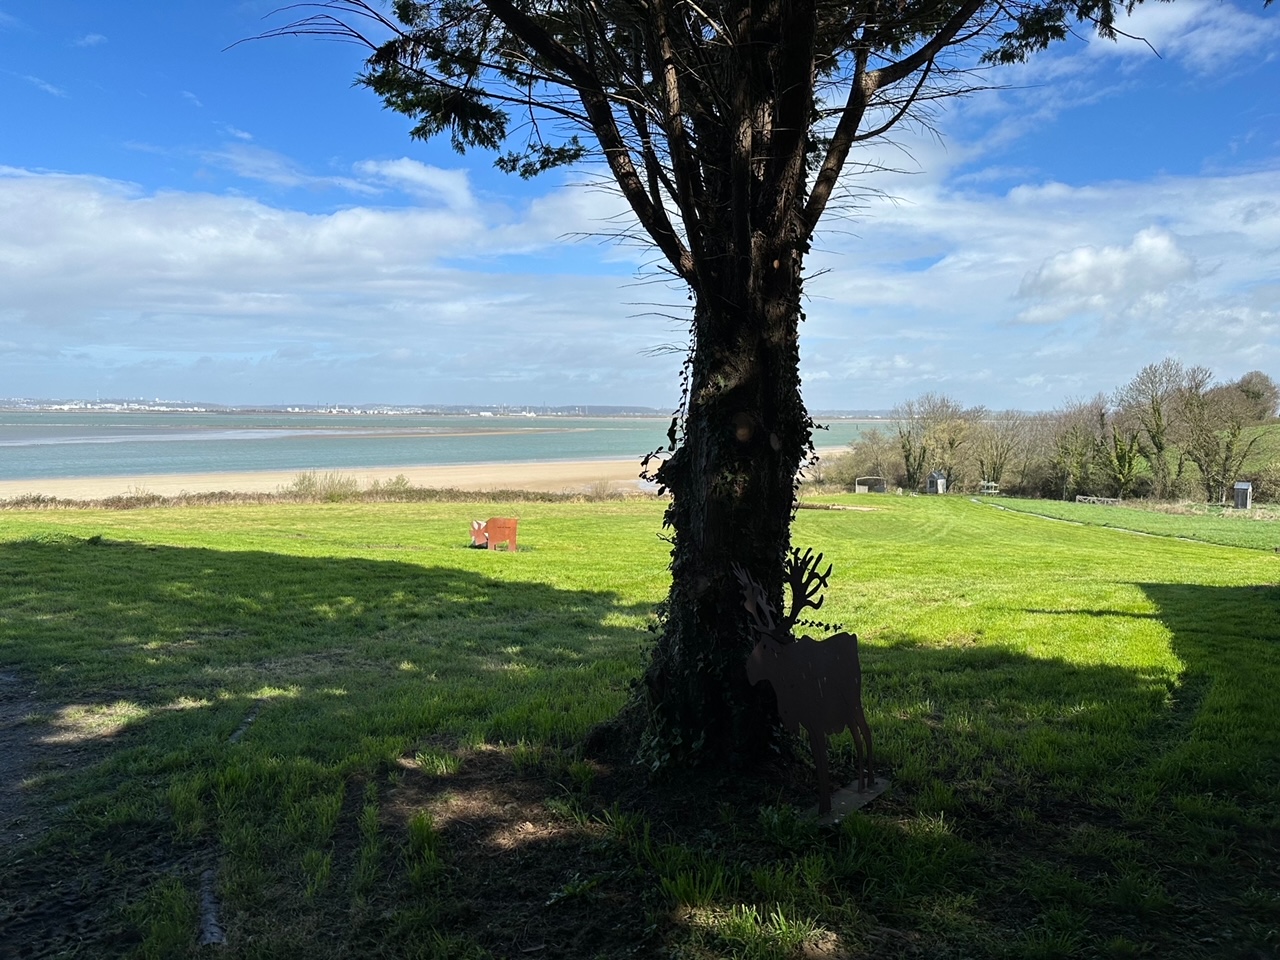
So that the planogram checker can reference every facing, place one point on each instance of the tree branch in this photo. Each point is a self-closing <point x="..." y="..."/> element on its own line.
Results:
<point x="794" y="98"/>
<point x="863" y="86"/>
<point x="653" y="218"/>
<point x="689" y="194"/>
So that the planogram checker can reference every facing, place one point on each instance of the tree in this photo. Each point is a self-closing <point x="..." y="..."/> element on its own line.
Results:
<point x="950" y="430"/>
<point x="1262" y="395"/>
<point x="873" y="454"/>
<point x="1149" y="399"/>
<point x="932" y="429"/>
<point x="1076" y="437"/>
<point x="1117" y="453"/>
<point x="997" y="439"/>
<point x="913" y="443"/>
<point x="1212" y="425"/>
<point x="1032" y="459"/>
<point x="726" y="125"/>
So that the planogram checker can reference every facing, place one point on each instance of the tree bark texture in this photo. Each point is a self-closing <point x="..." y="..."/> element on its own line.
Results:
<point x="745" y="434"/>
<point x="732" y="480"/>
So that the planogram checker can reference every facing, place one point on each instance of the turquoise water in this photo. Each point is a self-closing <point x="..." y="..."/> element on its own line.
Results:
<point x="49" y="444"/>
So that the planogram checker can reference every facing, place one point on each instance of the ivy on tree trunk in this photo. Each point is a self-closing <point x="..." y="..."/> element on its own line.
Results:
<point x="745" y="434"/>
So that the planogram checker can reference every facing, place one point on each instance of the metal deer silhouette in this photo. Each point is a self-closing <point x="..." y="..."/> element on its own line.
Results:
<point x="818" y="683"/>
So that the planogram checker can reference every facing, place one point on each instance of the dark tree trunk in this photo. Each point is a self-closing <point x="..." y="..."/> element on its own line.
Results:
<point x="732" y="478"/>
<point x="745" y="432"/>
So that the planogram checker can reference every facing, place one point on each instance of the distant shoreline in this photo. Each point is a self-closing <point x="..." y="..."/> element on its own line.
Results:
<point x="555" y="476"/>
<point x="389" y="413"/>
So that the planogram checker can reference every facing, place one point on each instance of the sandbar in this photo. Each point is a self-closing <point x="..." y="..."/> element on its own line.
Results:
<point x="554" y="477"/>
<point x="558" y="476"/>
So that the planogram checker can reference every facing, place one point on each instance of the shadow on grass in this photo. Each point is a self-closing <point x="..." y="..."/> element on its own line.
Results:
<point x="159" y="657"/>
<point x="1031" y="816"/>
<point x="100" y="614"/>
<point x="1229" y="639"/>
<point x="1040" y="808"/>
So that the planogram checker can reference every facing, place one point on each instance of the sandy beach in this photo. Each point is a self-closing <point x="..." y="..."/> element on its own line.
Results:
<point x="554" y="477"/>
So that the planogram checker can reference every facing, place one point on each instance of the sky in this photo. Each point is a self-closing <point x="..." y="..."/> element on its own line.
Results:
<point x="189" y="220"/>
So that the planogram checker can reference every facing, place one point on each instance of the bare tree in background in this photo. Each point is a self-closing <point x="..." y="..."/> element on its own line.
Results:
<point x="933" y="432"/>
<point x="1212" y="421"/>
<point x="1150" y="399"/>
<point x="998" y="438"/>
<point x="913" y="442"/>
<point x="1031" y="464"/>
<point x="1076" y="435"/>
<point x="873" y="454"/>
<point x="951" y="430"/>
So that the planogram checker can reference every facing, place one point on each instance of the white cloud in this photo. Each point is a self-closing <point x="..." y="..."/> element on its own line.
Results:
<point x="465" y="296"/>
<point x="44" y="85"/>
<point x="268" y="166"/>
<point x="191" y="98"/>
<point x="1098" y="279"/>
<point x="1116" y="274"/>
<point x="1210" y="37"/>
<point x="450" y="187"/>
<point x="226" y="297"/>
<point x="90" y="40"/>
<point x="1210" y="40"/>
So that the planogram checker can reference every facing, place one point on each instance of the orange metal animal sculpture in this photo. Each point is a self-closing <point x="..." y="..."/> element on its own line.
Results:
<point x="818" y="683"/>
<point x="494" y="531"/>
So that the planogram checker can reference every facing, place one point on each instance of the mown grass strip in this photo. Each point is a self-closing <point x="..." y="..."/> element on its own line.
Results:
<point x="1257" y="529"/>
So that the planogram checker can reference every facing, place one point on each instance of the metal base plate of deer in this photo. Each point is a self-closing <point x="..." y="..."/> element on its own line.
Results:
<point x="818" y="683"/>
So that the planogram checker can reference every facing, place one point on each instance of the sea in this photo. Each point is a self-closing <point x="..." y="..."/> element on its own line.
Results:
<point x="40" y="444"/>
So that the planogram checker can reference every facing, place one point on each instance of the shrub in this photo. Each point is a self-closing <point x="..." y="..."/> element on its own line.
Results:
<point x="330" y="486"/>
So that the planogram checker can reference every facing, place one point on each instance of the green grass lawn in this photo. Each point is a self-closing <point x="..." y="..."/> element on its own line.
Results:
<point x="1255" y="529"/>
<point x="362" y="737"/>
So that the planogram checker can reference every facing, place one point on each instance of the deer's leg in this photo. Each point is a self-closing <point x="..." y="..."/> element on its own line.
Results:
<point x="818" y="744"/>
<point x="859" y="751"/>
<point x="862" y="745"/>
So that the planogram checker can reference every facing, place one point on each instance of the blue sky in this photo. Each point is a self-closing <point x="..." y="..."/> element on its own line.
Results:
<point x="186" y="221"/>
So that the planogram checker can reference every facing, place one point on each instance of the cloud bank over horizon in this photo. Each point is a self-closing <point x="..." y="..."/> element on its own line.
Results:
<point x="452" y="299"/>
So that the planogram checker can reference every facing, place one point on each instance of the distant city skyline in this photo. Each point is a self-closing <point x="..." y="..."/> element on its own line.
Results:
<point x="243" y="226"/>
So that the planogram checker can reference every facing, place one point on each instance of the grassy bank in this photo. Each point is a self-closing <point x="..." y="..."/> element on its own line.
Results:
<point x="356" y="737"/>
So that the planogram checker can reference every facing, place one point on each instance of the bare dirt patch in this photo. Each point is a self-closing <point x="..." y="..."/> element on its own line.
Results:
<point x="535" y="868"/>
<point x="527" y="878"/>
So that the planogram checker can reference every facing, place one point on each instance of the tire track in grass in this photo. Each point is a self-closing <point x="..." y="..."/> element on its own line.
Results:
<point x="211" y="932"/>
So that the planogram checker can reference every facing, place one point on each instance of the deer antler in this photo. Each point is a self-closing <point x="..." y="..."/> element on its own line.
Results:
<point x="758" y="606"/>
<point x="805" y="580"/>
